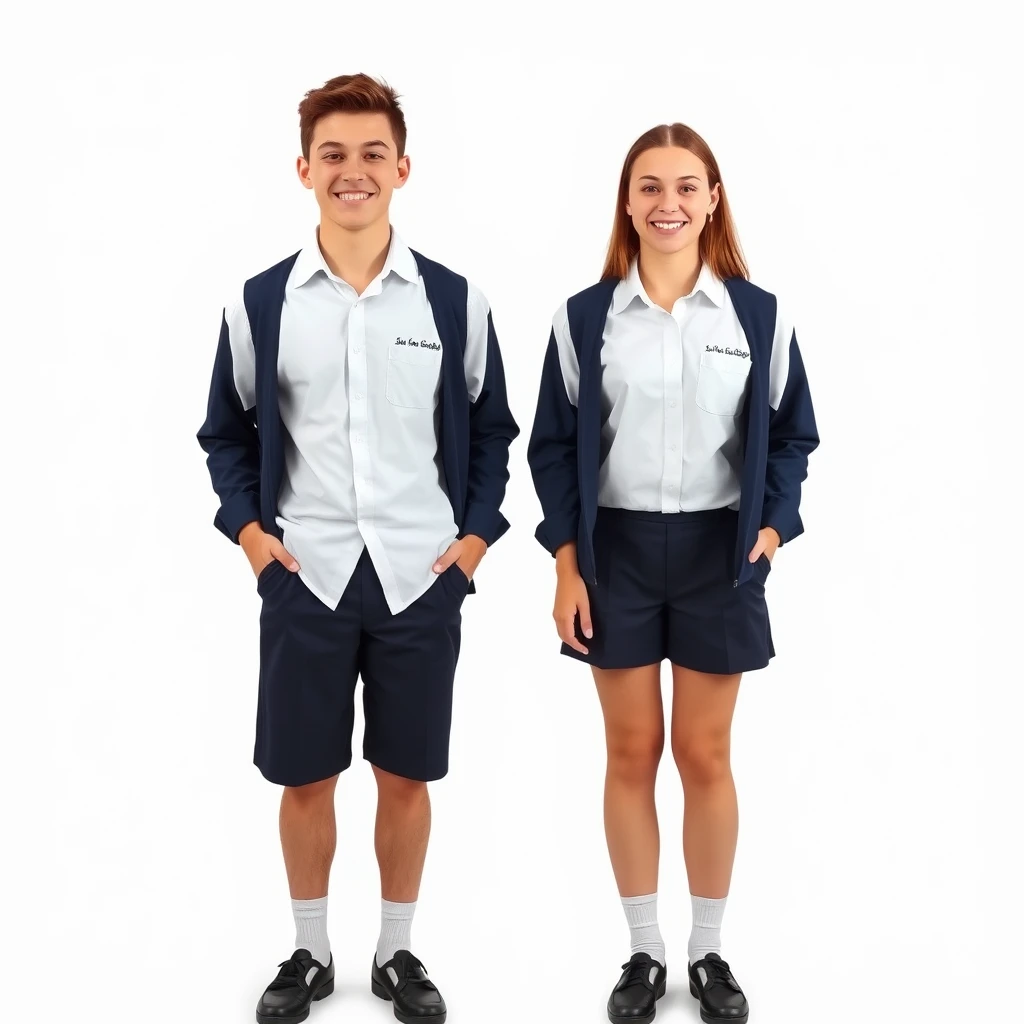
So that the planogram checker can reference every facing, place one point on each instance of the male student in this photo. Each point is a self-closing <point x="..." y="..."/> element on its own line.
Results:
<point x="357" y="437"/>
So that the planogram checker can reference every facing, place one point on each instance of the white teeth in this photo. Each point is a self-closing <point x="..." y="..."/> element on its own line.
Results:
<point x="352" y="195"/>
<point x="666" y="225"/>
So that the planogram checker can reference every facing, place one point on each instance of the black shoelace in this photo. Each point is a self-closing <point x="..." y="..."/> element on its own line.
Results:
<point x="292" y="974"/>
<point x="638" y="970"/>
<point x="718" y="971"/>
<point x="411" y="969"/>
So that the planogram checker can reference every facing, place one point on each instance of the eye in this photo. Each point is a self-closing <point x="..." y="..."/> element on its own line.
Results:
<point x="375" y="156"/>
<point x="689" y="188"/>
<point x="649" y="188"/>
<point x="331" y="156"/>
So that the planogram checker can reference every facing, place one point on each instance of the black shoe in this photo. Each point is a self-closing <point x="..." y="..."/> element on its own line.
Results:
<point x="287" y="998"/>
<point x="415" y="996"/>
<point x="721" y="998"/>
<point x="634" y="997"/>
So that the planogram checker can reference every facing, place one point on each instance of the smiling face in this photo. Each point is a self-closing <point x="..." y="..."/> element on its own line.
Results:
<point x="669" y="198"/>
<point x="353" y="168"/>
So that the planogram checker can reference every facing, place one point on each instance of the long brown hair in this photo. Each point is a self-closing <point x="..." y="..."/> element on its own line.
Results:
<point x="718" y="245"/>
<point x="350" y="94"/>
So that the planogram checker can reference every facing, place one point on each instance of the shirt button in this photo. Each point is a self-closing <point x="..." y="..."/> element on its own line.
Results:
<point x="671" y="447"/>
<point x="358" y="396"/>
<point x="672" y="403"/>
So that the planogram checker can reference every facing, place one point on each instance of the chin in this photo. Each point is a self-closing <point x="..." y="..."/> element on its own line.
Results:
<point x="668" y="246"/>
<point x="355" y="221"/>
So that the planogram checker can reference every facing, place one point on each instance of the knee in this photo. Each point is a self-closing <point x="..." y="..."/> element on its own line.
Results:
<point x="400" y="791"/>
<point x="312" y="796"/>
<point x="702" y="761"/>
<point x="633" y="757"/>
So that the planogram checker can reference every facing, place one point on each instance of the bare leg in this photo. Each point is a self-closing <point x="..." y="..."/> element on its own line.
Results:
<point x="308" y="837"/>
<point x="702" y="711"/>
<point x="635" y="737"/>
<point x="401" y="834"/>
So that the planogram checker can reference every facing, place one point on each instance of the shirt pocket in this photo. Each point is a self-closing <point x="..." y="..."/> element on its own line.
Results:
<point x="413" y="374"/>
<point x="722" y="383"/>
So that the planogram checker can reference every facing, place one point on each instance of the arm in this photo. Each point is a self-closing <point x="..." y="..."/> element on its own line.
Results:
<point x="491" y="426"/>
<point x="792" y="435"/>
<point x="229" y="435"/>
<point x="552" y="449"/>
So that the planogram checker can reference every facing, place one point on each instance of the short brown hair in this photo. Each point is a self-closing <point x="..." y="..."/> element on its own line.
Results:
<point x="350" y="94"/>
<point x="719" y="245"/>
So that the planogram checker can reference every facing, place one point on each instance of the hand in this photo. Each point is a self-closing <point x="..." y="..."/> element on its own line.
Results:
<point x="466" y="552"/>
<point x="571" y="597"/>
<point x="262" y="548"/>
<point x="768" y="541"/>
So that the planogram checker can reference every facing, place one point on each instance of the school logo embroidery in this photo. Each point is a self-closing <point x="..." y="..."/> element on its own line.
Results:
<point x="727" y="351"/>
<point x="413" y="343"/>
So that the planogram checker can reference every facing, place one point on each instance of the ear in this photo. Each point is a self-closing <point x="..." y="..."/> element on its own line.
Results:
<point x="404" y="167"/>
<point x="716" y="195"/>
<point x="302" y="168"/>
<point x="629" y="210"/>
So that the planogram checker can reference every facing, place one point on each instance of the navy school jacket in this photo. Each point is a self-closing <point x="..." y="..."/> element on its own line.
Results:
<point x="245" y="454"/>
<point x="565" y="444"/>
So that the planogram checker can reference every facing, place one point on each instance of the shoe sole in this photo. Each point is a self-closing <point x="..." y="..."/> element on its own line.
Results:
<point x="708" y="1019"/>
<point x="323" y="993"/>
<point x="420" y="1018"/>
<point x="617" y="1019"/>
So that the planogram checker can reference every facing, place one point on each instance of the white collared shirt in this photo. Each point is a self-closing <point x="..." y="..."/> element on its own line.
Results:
<point x="359" y="379"/>
<point x="672" y="387"/>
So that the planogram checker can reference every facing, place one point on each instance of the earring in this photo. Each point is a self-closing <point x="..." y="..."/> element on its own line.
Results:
<point x="711" y="217"/>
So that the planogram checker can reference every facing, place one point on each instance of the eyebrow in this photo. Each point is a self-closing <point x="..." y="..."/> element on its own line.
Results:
<point x="685" y="177"/>
<point x="341" y="145"/>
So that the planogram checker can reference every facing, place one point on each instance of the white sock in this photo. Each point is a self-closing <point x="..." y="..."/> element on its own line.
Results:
<point x="706" y="934"/>
<point x="311" y="928"/>
<point x="395" y="929"/>
<point x="644" y="933"/>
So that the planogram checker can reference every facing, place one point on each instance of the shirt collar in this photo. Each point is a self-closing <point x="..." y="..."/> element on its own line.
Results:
<point x="310" y="261"/>
<point x="631" y="287"/>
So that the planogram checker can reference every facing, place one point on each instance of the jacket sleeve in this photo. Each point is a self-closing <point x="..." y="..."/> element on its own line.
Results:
<point x="792" y="435"/>
<point x="552" y="449"/>
<point x="229" y="435"/>
<point x="492" y="428"/>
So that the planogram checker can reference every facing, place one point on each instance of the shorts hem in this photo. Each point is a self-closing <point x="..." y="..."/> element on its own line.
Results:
<point x="611" y="663"/>
<point x="752" y="666"/>
<point x="292" y="780"/>
<point x="404" y="771"/>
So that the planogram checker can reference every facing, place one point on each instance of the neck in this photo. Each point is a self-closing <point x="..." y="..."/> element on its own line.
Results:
<point x="667" y="277"/>
<point x="357" y="257"/>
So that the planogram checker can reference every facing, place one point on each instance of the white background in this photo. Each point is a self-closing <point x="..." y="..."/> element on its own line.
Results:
<point x="149" y="170"/>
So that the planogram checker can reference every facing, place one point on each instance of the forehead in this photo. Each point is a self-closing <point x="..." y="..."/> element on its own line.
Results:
<point x="352" y="130"/>
<point x="669" y="163"/>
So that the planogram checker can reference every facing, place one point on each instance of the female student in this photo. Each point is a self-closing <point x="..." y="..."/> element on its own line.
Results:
<point x="670" y="442"/>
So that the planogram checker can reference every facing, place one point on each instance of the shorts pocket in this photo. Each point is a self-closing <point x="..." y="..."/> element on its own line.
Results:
<point x="722" y="383"/>
<point x="766" y="565"/>
<point x="454" y="586"/>
<point x="413" y="375"/>
<point x="460" y="578"/>
<point x="266" y="573"/>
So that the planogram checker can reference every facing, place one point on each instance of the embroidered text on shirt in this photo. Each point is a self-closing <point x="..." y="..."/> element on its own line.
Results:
<point x="413" y="343"/>
<point x="727" y="351"/>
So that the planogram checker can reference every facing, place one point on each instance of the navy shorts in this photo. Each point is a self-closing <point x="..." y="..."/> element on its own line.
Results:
<point x="311" y="656"/>
<point x="665" y="590"/>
